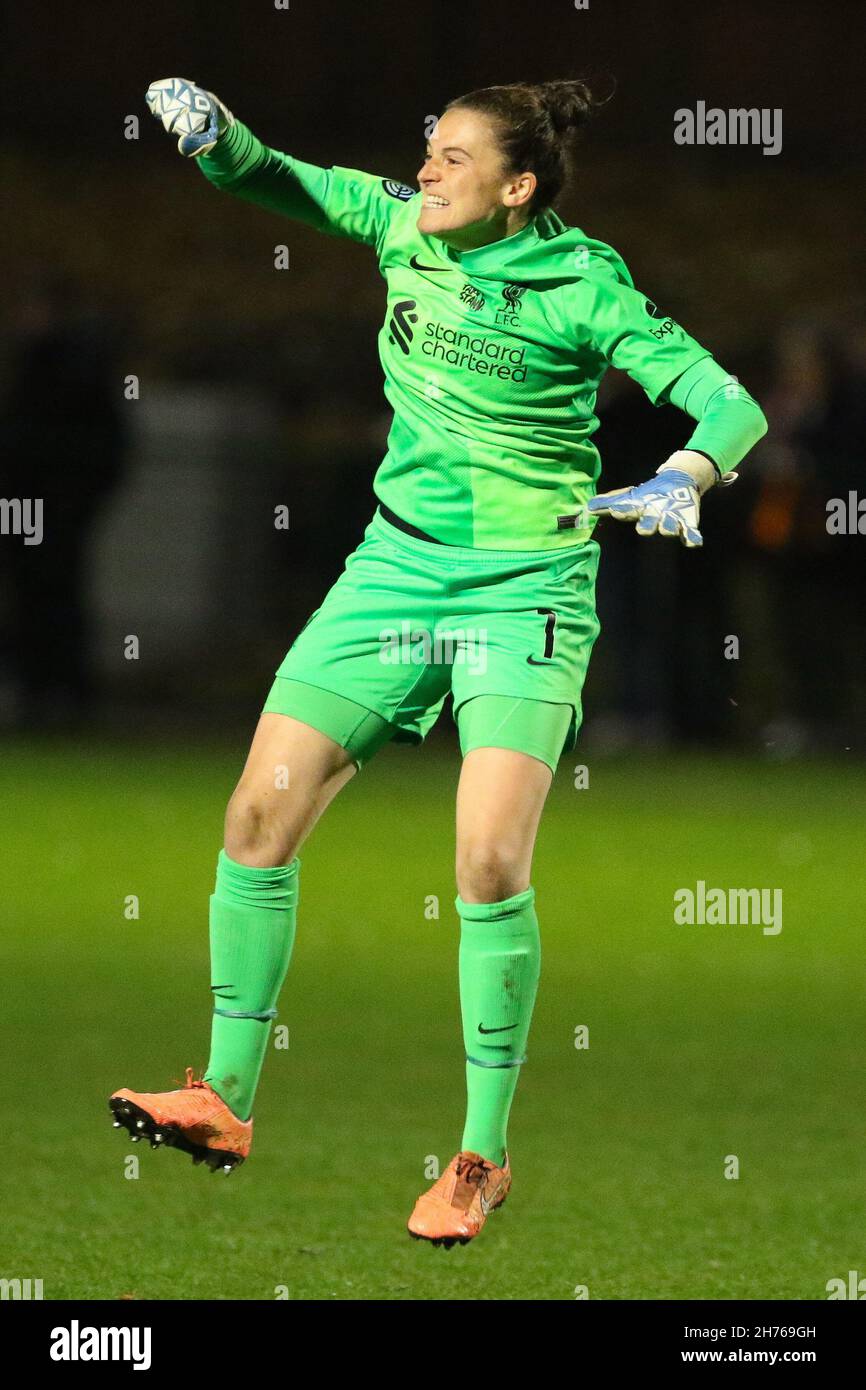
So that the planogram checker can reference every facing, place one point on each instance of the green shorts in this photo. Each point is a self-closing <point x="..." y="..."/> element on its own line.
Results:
<point x="509" y="633"/>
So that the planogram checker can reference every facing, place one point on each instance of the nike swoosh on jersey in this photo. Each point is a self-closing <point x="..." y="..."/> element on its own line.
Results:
<point x="440" y="269"/>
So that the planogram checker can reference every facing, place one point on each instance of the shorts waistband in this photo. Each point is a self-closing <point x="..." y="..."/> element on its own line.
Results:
<point x="476" y="555"/>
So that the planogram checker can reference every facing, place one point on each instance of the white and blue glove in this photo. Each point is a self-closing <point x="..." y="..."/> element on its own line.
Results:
<point x="195" y="116"/>
<point x="669" y="504"/>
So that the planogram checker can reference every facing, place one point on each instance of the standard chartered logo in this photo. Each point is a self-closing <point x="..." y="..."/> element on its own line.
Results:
<point x="475" y="352"/>
<point x="400" y="324"/>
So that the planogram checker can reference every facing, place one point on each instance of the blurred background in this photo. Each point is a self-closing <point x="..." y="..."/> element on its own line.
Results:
<point x="260" y="388"/>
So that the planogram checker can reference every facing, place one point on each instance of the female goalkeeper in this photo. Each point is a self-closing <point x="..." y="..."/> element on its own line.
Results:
<point x="500" y="323"/>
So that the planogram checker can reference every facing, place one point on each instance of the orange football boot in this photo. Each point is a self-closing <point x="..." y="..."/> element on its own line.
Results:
<point x="194" y="1119"/>
<point x="458" y="1204"/>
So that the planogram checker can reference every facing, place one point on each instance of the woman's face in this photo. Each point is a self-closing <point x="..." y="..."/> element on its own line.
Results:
<point x="468" y="199"/>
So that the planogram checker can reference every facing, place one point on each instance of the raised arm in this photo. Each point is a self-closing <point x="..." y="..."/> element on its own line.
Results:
<point x="343" y="202"/>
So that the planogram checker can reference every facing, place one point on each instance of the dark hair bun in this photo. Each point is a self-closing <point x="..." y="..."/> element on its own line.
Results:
<point x="569" y="104"/>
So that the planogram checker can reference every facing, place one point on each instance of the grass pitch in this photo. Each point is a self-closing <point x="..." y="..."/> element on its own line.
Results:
<point x="704" y="1041"/>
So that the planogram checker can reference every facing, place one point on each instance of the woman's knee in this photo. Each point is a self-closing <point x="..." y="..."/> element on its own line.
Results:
<point x="261" y="826"/>
<point x="488" y="871"/>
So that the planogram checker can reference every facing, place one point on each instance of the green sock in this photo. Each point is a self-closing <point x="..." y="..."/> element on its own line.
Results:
<point x="500" y="960"/>
<point x="252" y="931"/>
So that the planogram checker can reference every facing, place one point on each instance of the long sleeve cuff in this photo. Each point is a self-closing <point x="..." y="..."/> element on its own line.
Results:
<point x="234" y="157"/>
<point x="730" y="421"/>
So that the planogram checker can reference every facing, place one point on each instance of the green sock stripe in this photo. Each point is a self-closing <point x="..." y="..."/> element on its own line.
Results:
<point x="238" y="1013"/>
<point x="517" y="1062"/>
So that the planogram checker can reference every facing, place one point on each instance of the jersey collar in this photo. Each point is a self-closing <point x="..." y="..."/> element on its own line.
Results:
<point x="496" y="253"/>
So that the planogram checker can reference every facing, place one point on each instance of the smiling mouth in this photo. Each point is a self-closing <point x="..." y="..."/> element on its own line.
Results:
<point x="432" y="200"/>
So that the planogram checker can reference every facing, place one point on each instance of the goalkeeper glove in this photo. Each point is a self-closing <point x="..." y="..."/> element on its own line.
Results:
<point x="670" y="503"/>
<point x="195" y="116"/>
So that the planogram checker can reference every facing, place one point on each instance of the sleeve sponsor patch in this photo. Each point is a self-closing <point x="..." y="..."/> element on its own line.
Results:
<point x="398" y="190"/>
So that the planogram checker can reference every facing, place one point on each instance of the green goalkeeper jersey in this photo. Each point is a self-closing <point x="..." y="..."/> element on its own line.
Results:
<point x="492" y="357"/>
